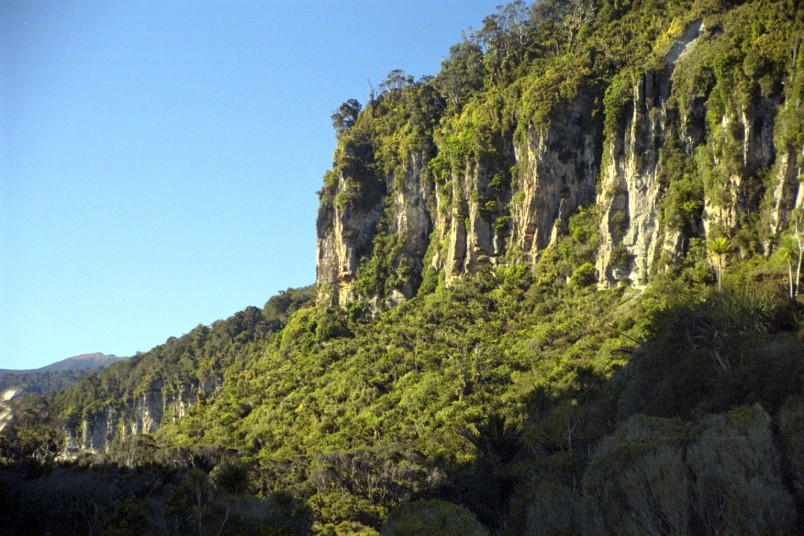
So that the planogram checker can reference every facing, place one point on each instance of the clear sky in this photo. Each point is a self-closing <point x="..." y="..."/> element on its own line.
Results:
<point x="159" y="159"/>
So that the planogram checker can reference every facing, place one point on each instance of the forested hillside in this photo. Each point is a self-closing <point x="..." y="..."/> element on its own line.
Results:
<point x="557" y="293"/>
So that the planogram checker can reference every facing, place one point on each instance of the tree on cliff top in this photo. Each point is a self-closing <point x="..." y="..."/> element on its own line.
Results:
<point x="344" y="118"/>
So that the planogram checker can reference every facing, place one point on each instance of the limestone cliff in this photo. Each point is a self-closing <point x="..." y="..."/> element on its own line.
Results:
<point x="479" y="212"/>
<point x="159" y="387"/>
<point x="351" y="205"/>
<point x="632" y="230"/>
<point x="689" y="144"/>
<point x="96" y="431"/>
<point x="685" y="129"/>
<point x="561" y="164"/>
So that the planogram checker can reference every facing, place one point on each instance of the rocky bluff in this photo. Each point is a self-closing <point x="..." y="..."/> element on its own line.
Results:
<point x="690" y="140"/>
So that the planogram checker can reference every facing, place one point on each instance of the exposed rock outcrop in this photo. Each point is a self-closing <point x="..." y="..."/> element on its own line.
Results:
<point x="560" y="167"/>
<point x="344" y="233"/>
<point x="633" y="235"/>
<point x="158" y="404"/>
<point x="788" y="193"/>
<point x="630" y="190"/>
<point x="675" y="162"/>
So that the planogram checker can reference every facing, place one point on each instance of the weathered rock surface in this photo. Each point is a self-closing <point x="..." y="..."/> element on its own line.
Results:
<point x="158" y="404"/>
<point x="458" y="226"/>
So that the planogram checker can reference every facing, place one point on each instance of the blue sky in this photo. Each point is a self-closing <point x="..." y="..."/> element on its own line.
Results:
<point x="159" y="160"/>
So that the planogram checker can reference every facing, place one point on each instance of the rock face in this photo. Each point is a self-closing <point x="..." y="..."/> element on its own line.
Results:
<point x="156" y="405"/>
<point x="732" y="155"/>
<point x="344" y="233"/>
<point x="412" y="219"/>
<point x="160" y="387"/>
<point x="480" y="215"/>
<point x="634" y="236"/>
<point x="678" y="158"/>
<point x="561" y="166"/>
<point x="436" y="180"/>
<point x="788" y="193"/>
<point x="351" y="206"/>
<point x="631" y="190"/>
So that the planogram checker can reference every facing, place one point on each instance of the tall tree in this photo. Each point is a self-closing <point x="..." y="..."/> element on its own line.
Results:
<point x="504" y="35"/>
<point x="790" y="251"/>
<point x="461" y="73"/>
<point x="345" y="117"/>
<point x="396" y="79"/>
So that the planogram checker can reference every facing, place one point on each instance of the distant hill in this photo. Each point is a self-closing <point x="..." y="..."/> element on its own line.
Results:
<point x="82" y="362"/>
<point x="78" y="362"/>
<point x="56" y="376"/>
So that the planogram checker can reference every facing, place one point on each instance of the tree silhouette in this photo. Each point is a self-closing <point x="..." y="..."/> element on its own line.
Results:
<point x="396" y="79"/>
<point x="344" y="118"/>
<point x="496" y="442"/>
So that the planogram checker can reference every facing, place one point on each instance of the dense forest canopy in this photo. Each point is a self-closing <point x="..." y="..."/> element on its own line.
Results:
<point x="558" y="293"/>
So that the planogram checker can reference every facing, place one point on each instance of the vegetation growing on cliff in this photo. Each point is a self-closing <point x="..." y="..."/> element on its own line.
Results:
<point x="719" y="83"/>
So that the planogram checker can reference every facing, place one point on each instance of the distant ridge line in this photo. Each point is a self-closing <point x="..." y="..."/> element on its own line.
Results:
<point x="78" y="362"/>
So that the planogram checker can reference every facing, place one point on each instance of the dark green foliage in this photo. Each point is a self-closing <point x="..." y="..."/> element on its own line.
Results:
<point x="129" y="519"/>
<point x="380" y="272"/>
<point x="495" y="442"/>
<point x="618" y="95"/>
<point x="409" y="381"/>
<point x="713" y="353"/>
<point x="461" y="74"/>
<point x="278" y="309"/>
<point x="584" y="275"/>
<point x="198" y="356"/>
<point x="33" y="433"/>
<point x="331" y="324"/>
<point x="232" y="477"/>
<point x="345" y="117"/>
<point x="163" y="499"/>
<point x="790" y="422"/>
<point x="488" y="489"/>
<point x="360" y="185"/>
<point x="639" y="484"/>
<point x="734" y="463"/>
<point x="662" y="476"/>
<point x="41" y="382"/>
<point x="682" y="205"/>
<point x="432" y="517"/>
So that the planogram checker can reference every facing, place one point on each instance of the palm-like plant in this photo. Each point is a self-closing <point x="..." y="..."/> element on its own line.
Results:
<point x="719" y="247"/>
<point x="791" y="249"/>
<point x="788" y="251"/>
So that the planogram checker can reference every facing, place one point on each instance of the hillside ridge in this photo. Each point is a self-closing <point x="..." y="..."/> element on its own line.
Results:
<point x="77" y="362"/>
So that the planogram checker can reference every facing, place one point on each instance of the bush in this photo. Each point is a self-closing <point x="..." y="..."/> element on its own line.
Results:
<point x="790" y="420"/>
<point x="432" y="517"/>
<point x="636" y="482"/>
<point x="584" y="275"/>
<point x="332" y="324"/>
<point x="737" y="478"/>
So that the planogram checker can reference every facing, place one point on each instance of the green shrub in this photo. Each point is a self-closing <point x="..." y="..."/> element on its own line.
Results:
<point x="432" y="517"/>
<point x="584" y="275"/>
